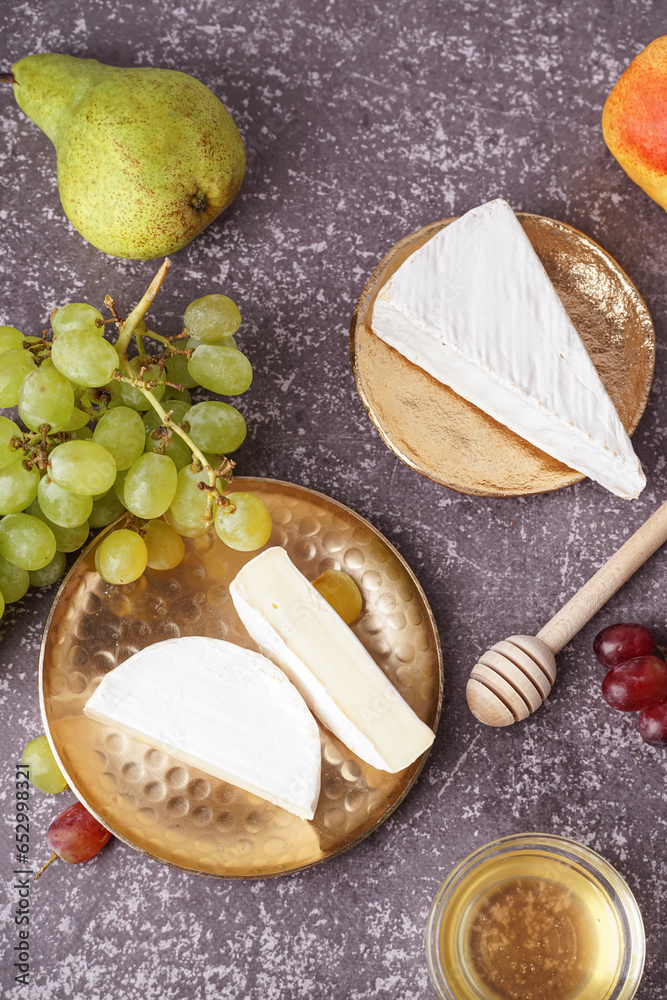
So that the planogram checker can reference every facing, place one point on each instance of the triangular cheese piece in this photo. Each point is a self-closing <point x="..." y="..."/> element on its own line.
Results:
<point x="475" y="308"/>
<point x="221" y="708"/>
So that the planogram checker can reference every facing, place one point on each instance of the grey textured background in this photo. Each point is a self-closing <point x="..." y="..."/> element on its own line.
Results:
<point x="367" y="120"/>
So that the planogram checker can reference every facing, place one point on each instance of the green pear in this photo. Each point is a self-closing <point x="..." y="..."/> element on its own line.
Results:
<point x="147" y="158"/>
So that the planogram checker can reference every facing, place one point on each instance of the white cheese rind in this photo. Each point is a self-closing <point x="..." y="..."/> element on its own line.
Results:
<point x="224" y="709"/>
<point x="475" y="308"/>
<point x="293" y="625"/>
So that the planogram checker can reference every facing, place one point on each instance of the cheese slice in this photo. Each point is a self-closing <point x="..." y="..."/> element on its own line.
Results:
<point x="221" y="708"/>
<point x="475" y="308"/>
<point x="293" y="625"/>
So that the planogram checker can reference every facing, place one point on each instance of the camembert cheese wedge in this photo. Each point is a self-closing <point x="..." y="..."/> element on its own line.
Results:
<point x="221" y="708"/>
<point x="294" y="626"/>
<point x="475" y="308"/>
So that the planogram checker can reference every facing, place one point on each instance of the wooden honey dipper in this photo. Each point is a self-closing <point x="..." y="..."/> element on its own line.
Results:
<point x="512" y="679"/>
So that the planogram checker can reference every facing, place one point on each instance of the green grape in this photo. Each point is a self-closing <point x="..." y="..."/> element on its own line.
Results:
<point x="105" y="510"/>
<point x="11" y="339"/>
<point x="67" y="539"/>
<point x="119" y="485"/>
<point x="84" y="358"/>
<point x="188" y="507"/>
<point x="67" y="510"/>
<point x="176" y="394"/>
<point x="121" y="431"/>
<point x="221" y="369"/>
<point x="50" y="573"/>
<point x="132" y="396"/>
<point x="83" y="434"/>
<point x="18" y="487"/>
<point x="82" y="467"/>
<point x="341" y="592"/>
<point x="46" y="397"/>
<point x="8" y="431"/>
<point x="164" y="545"/>
<point x="248" y="526"/>
<point x="176" y="366"/>
<point x="43" y="769"/>
<point x="78" y="420"/>
<point x="150" y="485"/>
<point x="112" y="389"/>
<point x="77" y="317"/>
<point x="177" y="450"/>
<point x="27" y="542"/>
<point x="190" y="530"/>
<point x="216" y="427"/>
<point x="212" y="318"/>
<point x="14" y="368"/>
<point x="14" y="582"/>
<point x="191" y="343"/>
<point x="121" y="557"/>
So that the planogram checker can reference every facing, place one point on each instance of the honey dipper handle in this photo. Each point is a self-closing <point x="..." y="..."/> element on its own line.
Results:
<point x="609" y="578"/>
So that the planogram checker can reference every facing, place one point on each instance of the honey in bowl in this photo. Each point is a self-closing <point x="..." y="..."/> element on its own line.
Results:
<point x="532" y="937"/>
<point x="535" y="917"/>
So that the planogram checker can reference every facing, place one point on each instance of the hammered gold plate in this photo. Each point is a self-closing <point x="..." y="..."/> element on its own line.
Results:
<point x="174" y="812"/>
<point x="450" y="440"/>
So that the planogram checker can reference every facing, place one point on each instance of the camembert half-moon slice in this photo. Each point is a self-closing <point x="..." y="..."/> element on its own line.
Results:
<point x="221" y="708"/>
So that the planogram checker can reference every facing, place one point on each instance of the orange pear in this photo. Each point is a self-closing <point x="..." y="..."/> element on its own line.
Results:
<point x="634" y="120"/>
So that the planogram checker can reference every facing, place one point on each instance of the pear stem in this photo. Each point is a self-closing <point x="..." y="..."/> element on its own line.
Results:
<point x="7" y="78"/>
<point x="126" y="327"/>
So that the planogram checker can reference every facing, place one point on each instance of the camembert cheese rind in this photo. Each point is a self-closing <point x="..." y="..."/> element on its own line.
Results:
<point x="224" y="709"/>
<point x="294" y="626"/>
<point x="475" y="308"/>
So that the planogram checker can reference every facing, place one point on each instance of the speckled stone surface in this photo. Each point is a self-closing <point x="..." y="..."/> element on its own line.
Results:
<point x="364" y="121"/>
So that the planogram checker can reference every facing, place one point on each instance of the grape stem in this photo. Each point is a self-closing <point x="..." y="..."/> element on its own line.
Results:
<point x="126" y="327"/>
<point x="125" y="330"/>
<point x="152" y="335"/>
<point x="166" y="421"/>
<point x="45" y="866"/>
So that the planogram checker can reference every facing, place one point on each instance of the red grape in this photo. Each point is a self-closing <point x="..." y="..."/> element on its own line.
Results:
<point x="636" y="684"/>
<point x="75" y="836"/>
<point x="620" y="643"/>
<point x="653" y="724"/>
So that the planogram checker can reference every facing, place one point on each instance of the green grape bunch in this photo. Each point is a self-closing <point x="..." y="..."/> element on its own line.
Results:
<point x="102" y="434"/>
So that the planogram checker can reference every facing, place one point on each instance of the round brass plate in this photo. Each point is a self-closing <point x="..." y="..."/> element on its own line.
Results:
<point x="174" y="812"/>
<point x="451" y="441"/>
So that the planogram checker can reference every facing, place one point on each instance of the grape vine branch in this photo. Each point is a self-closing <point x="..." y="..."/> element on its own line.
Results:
<point x="126" y="328"/>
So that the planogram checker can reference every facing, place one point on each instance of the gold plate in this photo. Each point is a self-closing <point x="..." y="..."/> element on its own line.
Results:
<point x="174" y="812"/>
<point x="450" y="440"/>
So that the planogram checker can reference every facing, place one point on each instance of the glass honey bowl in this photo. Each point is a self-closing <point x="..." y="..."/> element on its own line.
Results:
<point x="535" y="917"/>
